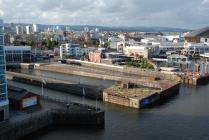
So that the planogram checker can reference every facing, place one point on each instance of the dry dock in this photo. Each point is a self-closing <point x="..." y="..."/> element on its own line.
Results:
<point x="153" y="86"/>
<point x="138" y="97"/>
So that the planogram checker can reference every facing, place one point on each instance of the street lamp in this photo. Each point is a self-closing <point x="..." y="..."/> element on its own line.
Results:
<point x="96" y="98"/>
<point x="83" y="95"/>
<point x="42" y="87"/>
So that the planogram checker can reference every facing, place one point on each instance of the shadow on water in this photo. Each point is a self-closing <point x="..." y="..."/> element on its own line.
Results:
<point x="50" y="129"/>
<point x="167" y="101"/>
<point x="159" y="127"/>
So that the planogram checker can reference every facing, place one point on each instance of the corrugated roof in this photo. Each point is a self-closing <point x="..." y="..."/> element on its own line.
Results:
<point x="17" y="93"/>
<point x="199" y="32"/>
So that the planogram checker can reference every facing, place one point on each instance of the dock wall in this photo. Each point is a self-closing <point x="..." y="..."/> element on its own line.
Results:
<point x="125" y="69"/>
<point x="59" y="85"/>
<point x="169" y="92"/>
<point x="195" y="80"/>
<point x="138" y="81"/>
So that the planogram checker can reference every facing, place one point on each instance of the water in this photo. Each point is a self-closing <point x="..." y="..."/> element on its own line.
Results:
<point x="186" y="116"/>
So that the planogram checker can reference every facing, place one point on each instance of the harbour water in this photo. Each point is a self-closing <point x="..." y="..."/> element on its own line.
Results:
<point x="185" y="116"/>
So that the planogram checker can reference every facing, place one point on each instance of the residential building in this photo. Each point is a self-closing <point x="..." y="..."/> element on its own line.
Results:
<point x="145" y="51"/>
<point x="59" y="38"/>
<point x="176" y="58"/>
<point x="35" y="28"/>
<point x="28" y="30"/>
<point x="17" y="54"/>
<point x="68" y="50"/>
<point x="172" y="38"/>
<point x="19" y="30"/>
<point x="114" y="57"/>
<point x="4" y="102"/>
<point x="205" y="40"/>
<point x="95" y="56"/>
<point x="195" y="48"/>
<point x="85" y="51"/>
<point x="116" y="43"/>
<point x="168" y="46"/>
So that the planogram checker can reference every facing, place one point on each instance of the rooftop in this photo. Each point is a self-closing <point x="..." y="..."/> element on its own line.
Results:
<point x="176" y="56"/>
<point x="203" y="32"/>
<point x="17" y="93"/>
<point x="17" y="48"/>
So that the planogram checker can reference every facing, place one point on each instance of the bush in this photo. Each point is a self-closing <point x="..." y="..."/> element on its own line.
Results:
<point x="140" y="64"/>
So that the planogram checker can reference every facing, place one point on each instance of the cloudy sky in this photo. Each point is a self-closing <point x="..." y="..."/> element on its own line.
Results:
<point x="169" y="13"/>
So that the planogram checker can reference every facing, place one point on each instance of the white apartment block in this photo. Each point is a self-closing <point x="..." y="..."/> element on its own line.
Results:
<point x="68" y="49"/>
<point x="146" y="51"/>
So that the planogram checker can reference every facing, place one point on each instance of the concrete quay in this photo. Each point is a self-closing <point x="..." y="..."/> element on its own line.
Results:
<point x="191" y="78"/>
<point x="52" y="113"/>
<point x="138" y="97"/>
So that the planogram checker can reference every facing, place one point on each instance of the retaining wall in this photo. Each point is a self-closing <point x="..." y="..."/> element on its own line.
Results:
<point x="142" y="82"/>
<point x="126" y="69"/>
<point x="63" y="86"/>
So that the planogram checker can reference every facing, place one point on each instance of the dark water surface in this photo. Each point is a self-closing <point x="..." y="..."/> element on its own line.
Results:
<point x="184" y="117"/>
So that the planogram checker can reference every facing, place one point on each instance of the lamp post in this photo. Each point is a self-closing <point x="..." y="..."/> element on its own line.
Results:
<point x="83" y="95"/>
<point x="42" y="87"/>
<point x="96" y="98"/>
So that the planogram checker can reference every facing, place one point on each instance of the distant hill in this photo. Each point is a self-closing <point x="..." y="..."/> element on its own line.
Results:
<point x="131" y="29"/>
<point x="106" y="28"/>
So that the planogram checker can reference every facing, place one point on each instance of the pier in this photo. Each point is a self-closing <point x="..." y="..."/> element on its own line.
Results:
<point x="136" y="96"/>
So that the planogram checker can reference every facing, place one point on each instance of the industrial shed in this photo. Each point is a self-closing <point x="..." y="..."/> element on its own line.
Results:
<point x="198" y="36"/>
<point x="21" y="99"/>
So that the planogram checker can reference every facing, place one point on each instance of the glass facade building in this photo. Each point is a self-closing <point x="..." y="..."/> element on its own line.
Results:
<point x="4" y="109"/>
<point x="17" y="54"/>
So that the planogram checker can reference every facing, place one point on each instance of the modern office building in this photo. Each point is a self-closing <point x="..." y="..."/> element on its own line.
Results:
<point x="4" y="102"/>
<point x="17" y="54"/>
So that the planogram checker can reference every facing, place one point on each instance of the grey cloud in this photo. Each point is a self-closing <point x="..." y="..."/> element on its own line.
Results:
<point x="175" y="13"/>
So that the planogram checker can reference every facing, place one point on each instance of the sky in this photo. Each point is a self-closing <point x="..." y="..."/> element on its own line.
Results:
<point x="163" y="13"/>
